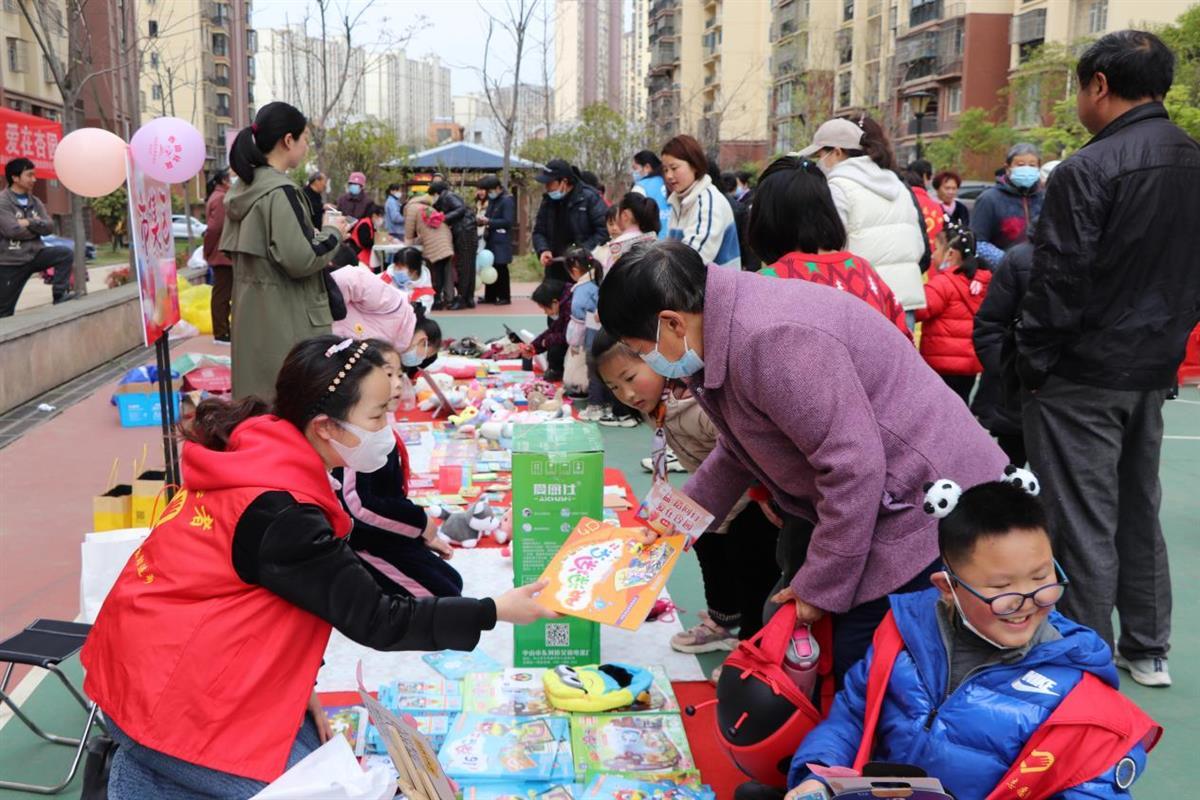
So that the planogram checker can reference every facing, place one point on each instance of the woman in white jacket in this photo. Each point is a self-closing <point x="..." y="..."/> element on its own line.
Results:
<point x="700" y="215"/>
<point x="880" y="214"/>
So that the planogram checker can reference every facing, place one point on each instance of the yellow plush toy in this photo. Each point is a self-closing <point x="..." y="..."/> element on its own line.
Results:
<point x="596" y="688"/>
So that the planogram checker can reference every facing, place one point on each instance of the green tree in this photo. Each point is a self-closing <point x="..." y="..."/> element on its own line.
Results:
<point x="602" y="141"/>
<point x="360" y="147"/>
<point x="112" y="210"/>
<point x="1183" y="101"/>
<point x="1041" y="100"/>
<point x="973" y="146"/>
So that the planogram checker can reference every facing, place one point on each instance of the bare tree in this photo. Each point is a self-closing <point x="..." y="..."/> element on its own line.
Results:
<point x="515" y="22"/>
<point x="72" y="76"/>
<point x="547" y="94"/>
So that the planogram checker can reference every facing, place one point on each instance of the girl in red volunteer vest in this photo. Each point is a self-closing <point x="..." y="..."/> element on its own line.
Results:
<point x="205" y="654"/>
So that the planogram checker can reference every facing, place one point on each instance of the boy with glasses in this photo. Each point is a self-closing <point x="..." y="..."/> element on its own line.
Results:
<point x="979" y="681"/>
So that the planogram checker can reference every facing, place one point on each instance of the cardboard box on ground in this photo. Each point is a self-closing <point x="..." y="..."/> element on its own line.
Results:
<point x="557" y="479"/>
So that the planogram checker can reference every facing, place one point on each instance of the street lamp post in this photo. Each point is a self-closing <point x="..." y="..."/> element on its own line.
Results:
<point x="918" y="104"/>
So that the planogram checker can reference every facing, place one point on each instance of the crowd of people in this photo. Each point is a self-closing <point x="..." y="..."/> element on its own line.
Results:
<point x="810" y="348"/>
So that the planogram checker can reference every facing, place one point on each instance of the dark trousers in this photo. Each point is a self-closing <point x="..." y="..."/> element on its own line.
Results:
<point x="465" y="245"/>
<point x="853" y="629"/>
<point x="409" y="557"/>
<point x="1097" y="453"/>
<point x="1013" y="445"/>
<point x="738" y="569"/>
<point x="443" y="284"/>
<point x="555" y="356"/>
<point x="498" y="291"/>
<point x="13" y="278"/>
<point x="222" y="295"/>
<point x="961" y="384"/>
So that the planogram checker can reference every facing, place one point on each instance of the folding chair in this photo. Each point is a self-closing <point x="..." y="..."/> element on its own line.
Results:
<point x="46" y="643"/>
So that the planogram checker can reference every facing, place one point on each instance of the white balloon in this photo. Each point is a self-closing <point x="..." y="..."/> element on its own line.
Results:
<point x="488" y="275"/>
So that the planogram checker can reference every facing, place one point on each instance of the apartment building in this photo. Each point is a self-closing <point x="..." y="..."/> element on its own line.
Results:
<point x="675" y="79"/>
<point x="950" y="55"/>
<point x="635" y="63"/>
<point x="290" y="68"/>
<point x="199" y="65"/>
<point x="587" y="56"/>
<point x="406" y="93"/>
<point x="535" y="111"/>
<point x="736" y="80"/>
<point x="1036" y="22"/>
<point x="863" y="51"/>
<point x="802" y="69"/>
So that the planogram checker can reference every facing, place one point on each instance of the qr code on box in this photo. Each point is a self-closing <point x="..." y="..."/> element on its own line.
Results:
<point x="558" y="634"/>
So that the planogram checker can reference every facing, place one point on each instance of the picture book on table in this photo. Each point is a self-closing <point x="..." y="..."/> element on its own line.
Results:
<point x="522" y="790"/>
<point x="453" y="665"/>
<point x="432" y="694"/>
<point x="609" y="575"/>
<point x="484" y="747"/>
<point x="651" y="747"/>
<point x="616" y="787"/>
<point x="520" y="692"/>
<point x="351" y="722"/>
<point x="433" y="727"/>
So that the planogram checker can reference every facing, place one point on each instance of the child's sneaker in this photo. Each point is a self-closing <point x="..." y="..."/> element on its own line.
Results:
<point x="611" y="420"/>
<point x="706" y="637"/>
<point x="673" y="464"/>
<point x="1146" y="671"/>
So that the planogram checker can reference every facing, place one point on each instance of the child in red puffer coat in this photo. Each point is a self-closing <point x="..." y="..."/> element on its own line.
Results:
<point x="952" y="299"/>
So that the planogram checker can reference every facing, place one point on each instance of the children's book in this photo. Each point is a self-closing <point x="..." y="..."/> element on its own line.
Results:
<point x="455" y="666"/>
<point x="433" y="694"/>
<point x="520" y="692"/>
<point x="616" y="787"/>
<point x="650" y="747"/>
<point x="482" y="747"/>
<point x="515" y="790"/>
<point x="609" y="574"/>
<point x="351" y="722"/>
<point x="433" y="727"/>
<point x="669" y="511"/>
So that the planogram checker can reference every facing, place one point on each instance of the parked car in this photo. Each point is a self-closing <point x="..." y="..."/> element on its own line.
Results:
<point x="970" y="190"/>
<point x="89" y="251"/>
<point x="179" y="227"/>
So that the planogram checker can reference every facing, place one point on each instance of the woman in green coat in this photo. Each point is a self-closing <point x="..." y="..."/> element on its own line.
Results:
<point x="279" y="295"/>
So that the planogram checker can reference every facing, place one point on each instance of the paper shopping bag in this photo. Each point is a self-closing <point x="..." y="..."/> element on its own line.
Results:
<point x="148" y="489"/>
<point x="102" y="557"/>
<point x="112" y="509"/>
<point x="331" y="772"/>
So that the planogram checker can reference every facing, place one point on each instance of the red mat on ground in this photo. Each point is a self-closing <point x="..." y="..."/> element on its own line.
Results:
<point x="716" y="769"/>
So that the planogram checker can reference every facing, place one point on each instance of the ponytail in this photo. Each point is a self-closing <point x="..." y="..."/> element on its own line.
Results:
<point x="272" y="122"/>
<point x="579" y="258"/>
<point x="216" y="419"/>
<point x="647" y="158"/>
<point x="874" y="143"/>
<point x="644" y="210"/>
<point x="427" y="326"/>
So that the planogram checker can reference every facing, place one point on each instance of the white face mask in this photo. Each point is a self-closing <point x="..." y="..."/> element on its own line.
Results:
<point x="962" y="615"/>
<point x="371" y="452"/>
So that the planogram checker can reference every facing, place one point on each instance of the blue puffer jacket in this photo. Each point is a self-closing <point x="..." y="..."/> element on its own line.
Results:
<point x="1005" y="215"/>
<point x="971" y="738"/>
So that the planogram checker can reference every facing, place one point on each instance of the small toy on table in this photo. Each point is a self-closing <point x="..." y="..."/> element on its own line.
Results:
<point x="597" y="688"/>
<point x="467" y="528"/>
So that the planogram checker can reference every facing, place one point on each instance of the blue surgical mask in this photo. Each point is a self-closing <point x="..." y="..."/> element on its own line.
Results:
<point x="494" y="194"/>
<point x="686" y="366"/>
<point x="636" y="174"/>
<point x="354" y="189"/>
<point x="411" y="358"/>
<point x="1024" y="177"/>
<point x="557" y="194"/>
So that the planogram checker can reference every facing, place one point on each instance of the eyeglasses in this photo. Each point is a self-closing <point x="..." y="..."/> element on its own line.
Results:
<point x="1009" y="603"/>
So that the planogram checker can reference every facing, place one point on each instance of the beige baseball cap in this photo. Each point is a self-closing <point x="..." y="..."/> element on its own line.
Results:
<point x="835" y="133"/>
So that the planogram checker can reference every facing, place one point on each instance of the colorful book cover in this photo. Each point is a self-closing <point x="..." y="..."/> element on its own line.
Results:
<point x="651" y="747"/>
<point x="455" y="666"/>
<point x="351" y="722"/>
<point x="668" y="510"/>
<point x="616" y="787"/>
<point x="483" y="747"/>
<point x="433" y="694"/>
<point x="609" y="574"/>
<point x="520" y="692"/>
<point x="433" y="727"/>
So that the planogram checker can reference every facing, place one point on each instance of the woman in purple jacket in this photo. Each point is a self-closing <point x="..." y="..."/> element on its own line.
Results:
<point x="824" y="402"/>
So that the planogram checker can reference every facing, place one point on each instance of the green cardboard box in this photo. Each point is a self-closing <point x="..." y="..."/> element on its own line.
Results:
<point x="557" y="479"/>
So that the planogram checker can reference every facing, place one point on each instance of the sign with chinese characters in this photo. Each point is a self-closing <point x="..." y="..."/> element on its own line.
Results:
<point x="153" y="251"/>
<point x="27" y="136"/>
<point x="668" y="510"/>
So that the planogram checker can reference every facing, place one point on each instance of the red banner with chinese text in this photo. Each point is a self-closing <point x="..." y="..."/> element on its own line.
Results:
<point x="35" y="138"/>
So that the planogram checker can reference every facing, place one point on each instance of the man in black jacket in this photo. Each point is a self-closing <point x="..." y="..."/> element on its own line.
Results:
<point x="314" y="192"/>
<point x="23" y="223"/>
<point x="466" y="241"/>
<point x="571" y="213"/>
<point x="1114" y="293"/>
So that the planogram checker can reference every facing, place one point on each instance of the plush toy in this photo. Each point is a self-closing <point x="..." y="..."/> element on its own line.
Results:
<point x="466" y="528"/>
<point x="426" y="398"/>
<point x="596" y="689"/>
<point x="463" y="417"/>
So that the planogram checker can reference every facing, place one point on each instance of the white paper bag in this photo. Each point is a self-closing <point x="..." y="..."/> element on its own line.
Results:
<point x="102" y="557"/>
<point x="331" y="772"/>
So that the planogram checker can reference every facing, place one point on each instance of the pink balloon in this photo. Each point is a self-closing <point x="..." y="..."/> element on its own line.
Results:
<point x="91" y="161"/>
<point x="168" y="149"/>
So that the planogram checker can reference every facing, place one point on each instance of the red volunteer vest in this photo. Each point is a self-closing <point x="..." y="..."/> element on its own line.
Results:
<point x="188" y="659"/>
<point x="1092" y="729"/>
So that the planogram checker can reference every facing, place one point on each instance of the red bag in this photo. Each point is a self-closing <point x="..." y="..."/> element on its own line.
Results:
<point x="762" y="716"/>
<point x="433" y="219"/>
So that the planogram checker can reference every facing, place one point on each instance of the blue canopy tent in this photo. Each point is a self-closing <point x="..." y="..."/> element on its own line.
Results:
<point x="459" y="157"/>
